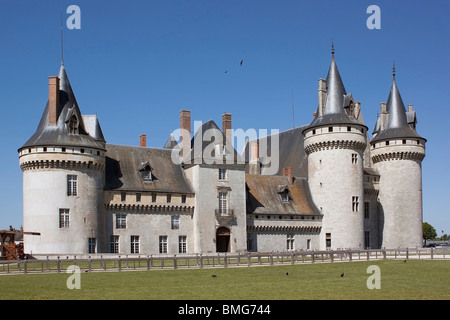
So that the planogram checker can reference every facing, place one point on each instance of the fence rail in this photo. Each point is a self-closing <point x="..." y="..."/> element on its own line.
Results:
<point x="57" y="264"/>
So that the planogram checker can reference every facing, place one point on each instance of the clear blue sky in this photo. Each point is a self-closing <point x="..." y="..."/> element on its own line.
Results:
<point x="136" y="64"/>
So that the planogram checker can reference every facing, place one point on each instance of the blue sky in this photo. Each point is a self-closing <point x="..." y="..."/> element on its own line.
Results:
<point x="136" y="64"/>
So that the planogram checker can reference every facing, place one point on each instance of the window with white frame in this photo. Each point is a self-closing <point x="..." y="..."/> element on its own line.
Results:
<point x="355" y="204"/>
<point x="290" y="242"/>
<point x="71" y="185"/>
<point x="354" y="158"/>
<point x="134" y="244"/>
<point x="63" y="218"/>
<point x="222" y="174"/>
<point x="114" y="244"/>
<point x="91" y="245"/>
<point x="162" y="244"/>
<point x="182" y="244"/>
<point x="223" y="204"/>
<point x="121" y="221"/>
<point x="285" y="196"/>
<point x="175" y="222"/>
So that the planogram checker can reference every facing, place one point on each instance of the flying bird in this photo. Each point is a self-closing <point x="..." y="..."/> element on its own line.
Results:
<point x="242" y="61"/>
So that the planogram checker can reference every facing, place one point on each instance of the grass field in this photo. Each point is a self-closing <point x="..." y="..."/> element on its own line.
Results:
<point x="413" y="279"/>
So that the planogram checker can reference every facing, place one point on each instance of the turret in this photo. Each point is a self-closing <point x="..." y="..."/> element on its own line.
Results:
<point x="335" y="143"/>
<point x="63" y="177"/>
<point x="397" y="152"/>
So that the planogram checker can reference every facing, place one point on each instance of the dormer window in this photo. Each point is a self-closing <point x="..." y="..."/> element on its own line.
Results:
<point x="146" y="172"/>
<point x="73" y="125"/>
<point x="283" y="190"/>
<point x="285" y="196"/>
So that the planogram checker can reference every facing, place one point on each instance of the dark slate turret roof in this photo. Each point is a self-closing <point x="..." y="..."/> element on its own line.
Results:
<point x="124" y="165"/>
<point x="397" y="126"/>
<point x="337" y="100"/>
<point x="58" y="135"/>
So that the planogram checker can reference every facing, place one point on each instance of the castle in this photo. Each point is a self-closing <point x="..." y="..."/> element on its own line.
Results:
<point x="325" y="185"/>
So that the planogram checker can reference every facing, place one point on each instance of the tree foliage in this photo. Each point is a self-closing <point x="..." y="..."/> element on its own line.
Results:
<point x="429" y="232"/>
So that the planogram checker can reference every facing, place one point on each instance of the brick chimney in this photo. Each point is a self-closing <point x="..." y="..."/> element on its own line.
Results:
<point x="143" y="140"/>
<point x="185" y="134"/>
<point x="287" y="172"/>
<point x="254" y="163"/>
<point x="53" y="99"/>
<point x="226" y="126"/>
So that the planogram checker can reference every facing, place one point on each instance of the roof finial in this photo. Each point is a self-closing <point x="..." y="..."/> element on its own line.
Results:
<point x="393" y="68"/>
<point x="62" y="41"/>
<point x="332" y="46"/>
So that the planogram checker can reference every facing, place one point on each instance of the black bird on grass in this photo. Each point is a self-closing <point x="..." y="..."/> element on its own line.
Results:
<point x="214" y="276"/>
<point x="342" y="275"/>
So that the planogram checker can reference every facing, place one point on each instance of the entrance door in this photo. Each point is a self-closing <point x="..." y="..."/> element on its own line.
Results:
<point x="223" y="239"/>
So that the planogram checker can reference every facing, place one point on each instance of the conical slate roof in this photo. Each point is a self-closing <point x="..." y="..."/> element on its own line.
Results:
<point x="58" y="135"/>
<point x="397" y="126"/>
<point x="337" y="100"/>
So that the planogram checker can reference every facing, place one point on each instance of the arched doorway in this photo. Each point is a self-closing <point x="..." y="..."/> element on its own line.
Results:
<point x="223" y="239"/>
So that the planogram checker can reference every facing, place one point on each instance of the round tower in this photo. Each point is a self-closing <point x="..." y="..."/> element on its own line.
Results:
<point x="397" y="151"/>
<point x="335" y="142"/>
<point x="63" y="177"/>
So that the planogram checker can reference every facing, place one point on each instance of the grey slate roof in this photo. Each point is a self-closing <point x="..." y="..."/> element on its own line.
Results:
<point x="202" y="145"/>
<point x="264" y="196"/>
<point x="337" y="100"/>
<point x="58" y="135"/>
<point x="291" y="152"/>
<point x="397" y="122"/>
<point x="124" y="165"/>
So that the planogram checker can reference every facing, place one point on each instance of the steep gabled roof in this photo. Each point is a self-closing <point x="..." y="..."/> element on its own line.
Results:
<point x="264" y="196"/>
<point x="59" y="135"/>
<point x="124" y="166"/>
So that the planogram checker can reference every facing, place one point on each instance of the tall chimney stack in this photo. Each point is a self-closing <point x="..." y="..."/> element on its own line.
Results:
<point x="322" y="95"/>
<point x="143" y="140"/>
<point x="53" y="99"/>
<point x="226" y="126"/>
<point x="254" y="163"/>
<point x="287" y="172"/>
<point x="185" y="134"/>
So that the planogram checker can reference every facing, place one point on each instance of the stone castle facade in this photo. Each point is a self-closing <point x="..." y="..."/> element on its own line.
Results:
<point x="325" y="185"/>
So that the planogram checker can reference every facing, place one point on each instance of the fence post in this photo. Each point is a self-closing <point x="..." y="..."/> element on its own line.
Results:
<point x="58" y="265"/>
<point x="25" y="267"/>
<point x="201" y="261"/>
<point x="89" y="264"/>
<point x="331" y="255"/>
<point x="350" y="255"/>
<point x="119" y="263"/>
<point x="407" y="253"/>
<point x="175" y="261"/>
<point x="431" y="253"/>
<point x="248" y="259"/>
<point x="312" y="257"/>
<point x="225" y="261"/>
<point x="368" y="255"/>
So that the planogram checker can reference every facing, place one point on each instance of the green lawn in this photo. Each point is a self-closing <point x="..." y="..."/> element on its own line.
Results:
<point x="414" y="279"/>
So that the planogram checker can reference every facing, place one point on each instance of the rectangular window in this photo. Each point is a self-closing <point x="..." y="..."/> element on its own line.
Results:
<point x="285" y="196"/>
<point x="290" y="242"/>
<point x="153" y="197"/>
<point x="138" y="197"/>
<point x="249" y="244"/>
<point x="169" y="198"/>
<point x="354" y="158"/>
<point x="134" y="244"/>
<point x="366" y="209"/>
<point x="308" y="244"/>
<point x="182" y="244"/>
<point x="123" y="196"/>
<point x="330" y="129"/>
<point x="355" y="204"/>
<point x="162" y="244"/>
<point x="175" y="222"/>
<point x="91" y="245"/>
<point x="63" y="218"/>
<point x="222" y="174"/>
<point x="183" y="198"/>
<point x="114" y="244"/>
<point x="367" y="239"/>
<point x="71" y="185"/>
<point x="328" y="240"/>
<point x="223" y="205"/>
<point x="121" y="221"/>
